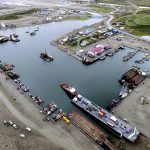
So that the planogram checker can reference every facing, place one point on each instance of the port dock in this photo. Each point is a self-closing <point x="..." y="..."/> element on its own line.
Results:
<point x="135" y="107"/>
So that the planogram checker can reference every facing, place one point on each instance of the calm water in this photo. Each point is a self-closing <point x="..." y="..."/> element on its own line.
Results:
<point x="98" y="82"/>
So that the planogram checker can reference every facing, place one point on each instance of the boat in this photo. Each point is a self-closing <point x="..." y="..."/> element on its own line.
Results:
<point x="45" y="56"/>
<point x="129" y="55"/>
<point x="53" y="112"/>
<point x="124" y="90"/>
<point x="38" y="100"/>
<point x="113" y="123"/>
<point x="88" y="60"/>
<point x="70" y="91"/>
<point x="121" y="47"/>
<point x="12" y="75"/>
<point x="6" y="67"/>
<point x="102" y="57"/>
<point x="32" y="33"/>
<point x="112" y="104"/>
<point x="14" y="38"/>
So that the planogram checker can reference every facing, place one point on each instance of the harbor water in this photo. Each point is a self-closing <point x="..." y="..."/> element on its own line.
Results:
<point x="98" y="82"/>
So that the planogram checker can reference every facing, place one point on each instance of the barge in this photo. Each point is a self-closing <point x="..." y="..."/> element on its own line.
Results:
<point x="92" y="131"/>
<point x="108" y="120"/>
<point x="133" y="77"/>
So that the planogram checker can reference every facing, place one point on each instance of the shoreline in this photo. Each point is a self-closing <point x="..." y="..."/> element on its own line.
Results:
<point x="25" y="112"/>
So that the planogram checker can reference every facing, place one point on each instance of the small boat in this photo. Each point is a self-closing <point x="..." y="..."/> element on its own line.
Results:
<point x="124" y="90"/>
<point x="121" y="47"/>
<point x="112" y="104"/>
<point x="38" y="100"/>
<point x="14" y="38"/>
<point x="36" y="30"/>
<point x="32" y="33"/>
<point x="45" y="56"/>
<point x="102" y="57"/>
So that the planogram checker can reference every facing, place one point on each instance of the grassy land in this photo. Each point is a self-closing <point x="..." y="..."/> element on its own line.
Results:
<point x="136" y="2"/>
<point x="138" y="24"/>
<point x="102" y="9"/>
<point x="19" y="14"/>
<point x="113" y="1"/>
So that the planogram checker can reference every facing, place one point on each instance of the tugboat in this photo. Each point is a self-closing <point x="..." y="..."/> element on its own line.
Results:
<point x="70" y="91"/>
<point x="45" y="56"/>
<point x="112" y="104"/>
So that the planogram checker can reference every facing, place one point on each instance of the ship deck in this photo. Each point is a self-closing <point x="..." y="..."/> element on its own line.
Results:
<point x="113" y="123"/>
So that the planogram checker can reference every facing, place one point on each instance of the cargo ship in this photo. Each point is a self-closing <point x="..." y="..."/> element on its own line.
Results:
<point x="92" y="131"/>
<point x="114" y="124"/>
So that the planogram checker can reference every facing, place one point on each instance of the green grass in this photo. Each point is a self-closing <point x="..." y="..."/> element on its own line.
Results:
<point x="122" y="2"/>
<point x="138" y="24"/>
<point x="113" y="1"/>
<point x="101" y="9"/>
<point x="18" y="15"/>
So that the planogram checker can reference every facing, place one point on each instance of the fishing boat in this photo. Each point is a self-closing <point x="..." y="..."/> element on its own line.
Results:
<point x="45" y="56"/>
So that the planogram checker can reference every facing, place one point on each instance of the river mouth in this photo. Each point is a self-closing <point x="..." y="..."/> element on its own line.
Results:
<point x="98" y="82"/>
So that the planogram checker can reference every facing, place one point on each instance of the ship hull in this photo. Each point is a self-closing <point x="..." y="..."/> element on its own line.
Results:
<point x="97" y="120"/>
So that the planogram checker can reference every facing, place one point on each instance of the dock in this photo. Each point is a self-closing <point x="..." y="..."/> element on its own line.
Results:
<point x="135" y="108"/>
<point x="92" y="131"/>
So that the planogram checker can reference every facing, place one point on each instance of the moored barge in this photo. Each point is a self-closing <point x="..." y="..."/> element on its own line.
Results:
<point x="111" y="122"/>
<point x="133" y="77"/>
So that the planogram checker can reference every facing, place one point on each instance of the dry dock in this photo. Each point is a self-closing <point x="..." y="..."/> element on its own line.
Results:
<point x="136" y="106"/>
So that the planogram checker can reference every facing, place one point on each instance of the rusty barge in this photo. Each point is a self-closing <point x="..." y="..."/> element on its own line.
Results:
<point x="133" y="77"/>
<point x="92" y="131"/>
